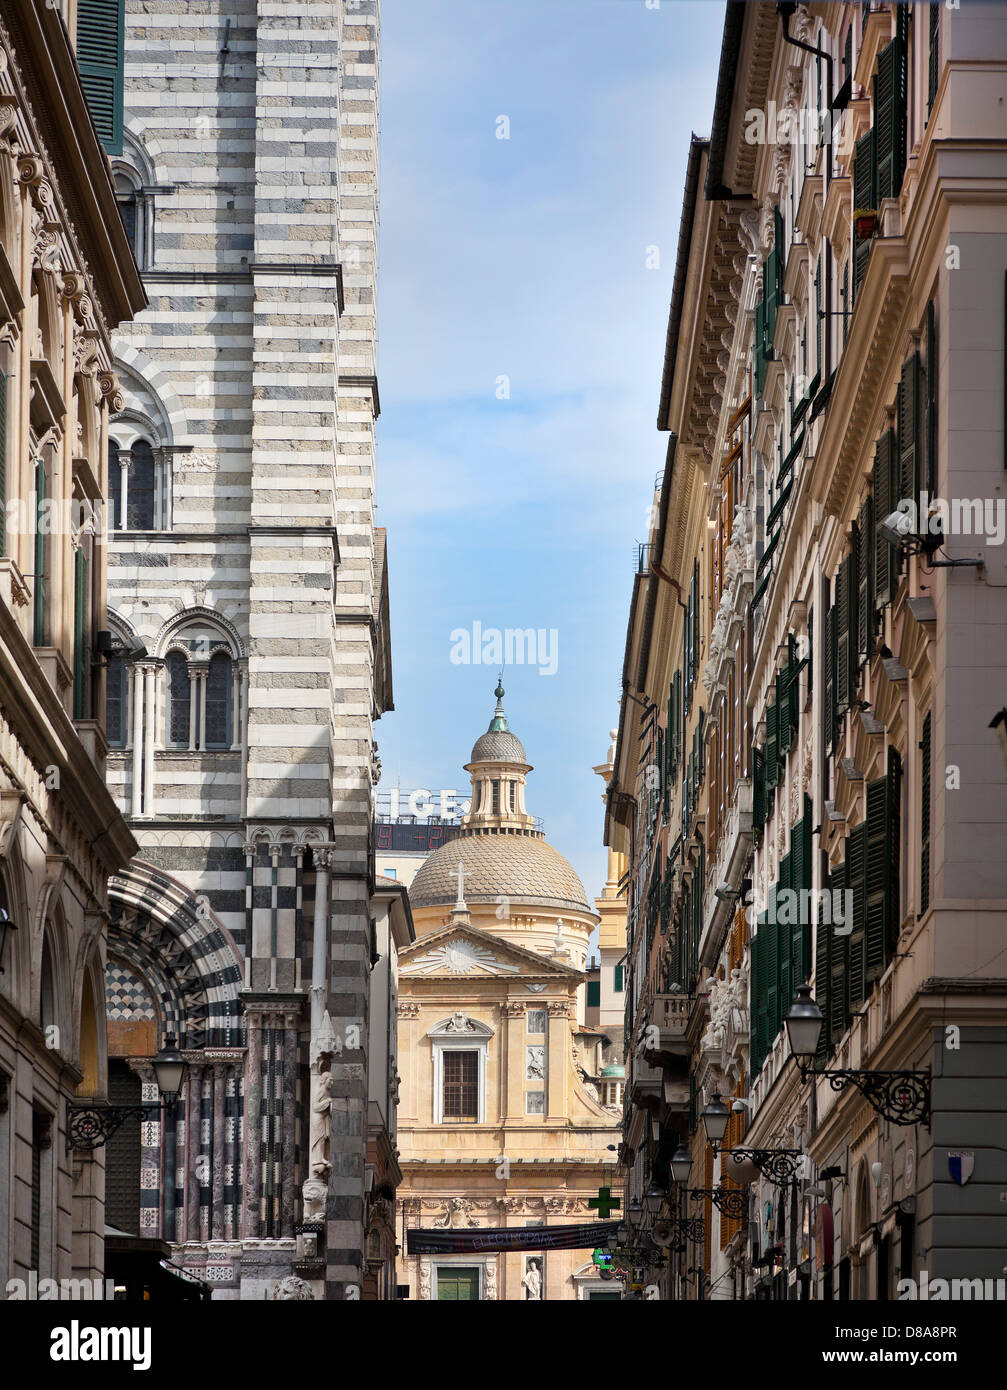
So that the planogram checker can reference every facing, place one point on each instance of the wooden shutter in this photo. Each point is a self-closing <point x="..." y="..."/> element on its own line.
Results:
<point x="925" y="795"/>
<point x="757" y="986"/>
<point x="884" y="555"/>
<point x="933" y="70"/>
<point x="890" y="119"/>
<point x="810" y="658"/>
<point x="758" y="789"/>
<point x="760" y="347"/>
<point x="864" y="196"/>
<point x="909" y="387"/>
<point x="41" y="613"/>
<point x="893" y="816"/>
<point x="100" y="59"/>
<point x="839" y="962"/>
<point x="802" y="881"/>
<point x="842" y="673"/>
<point x="865" y="597"/>
<point x="930" y="472"/>
<point x="830" y="677"/>
<point x="772" y="748"/>
<point x="877" y="879"/>
<point x="856" y="862"/>
<point x="81" y="632"/>
<point x="823" y="978"/>
<point x="785" y="932"/>
<point x="772" y="930"/>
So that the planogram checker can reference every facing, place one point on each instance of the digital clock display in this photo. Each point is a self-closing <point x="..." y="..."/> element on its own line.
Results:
<point x="394" y="836"/>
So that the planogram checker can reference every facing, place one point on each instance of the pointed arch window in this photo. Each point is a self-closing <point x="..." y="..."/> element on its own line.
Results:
<point x="218" y="701"/>
<point x="179" y="700"/>
<point x="137" y="487"/>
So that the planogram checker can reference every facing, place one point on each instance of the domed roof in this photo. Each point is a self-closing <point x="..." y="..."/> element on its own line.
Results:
<point x="614" y="1071"/>
<point x="521" y="867"/>
<point x="498" y="746"/>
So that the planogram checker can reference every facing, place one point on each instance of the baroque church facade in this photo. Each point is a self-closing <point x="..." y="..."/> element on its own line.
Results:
<point x="500" y="1120"/>
<point x="248" y="594"/>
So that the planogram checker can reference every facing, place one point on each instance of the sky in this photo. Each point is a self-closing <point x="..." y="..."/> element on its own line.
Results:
<point x="532" y="165"/>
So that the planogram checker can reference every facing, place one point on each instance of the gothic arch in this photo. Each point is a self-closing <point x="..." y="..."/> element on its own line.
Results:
<point x="148" y="392"/>
<point x="169" y="628"/>
<point x="173" y="941"/>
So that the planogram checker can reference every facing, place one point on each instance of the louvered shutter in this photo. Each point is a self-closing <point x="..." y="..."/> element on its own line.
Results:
<point x="933" y="70"/>
<point x="803" y="882"/>
<point x="893" y="815"/>
<point x="100" y="60"/>
<point x="772" y="930"/>
<point x="865" y="598"/>
<point x="810" y="658"/>
<point x="931" y="401"/>
<point x="877" y="879"/>
<point x="772" y="748"/>
<point x="839" y="969"/>
<point x="856" y="861"/>
<point x="758" y="789"/>
<point x="890" y="119"/>
<point x="909" y="387"/>
<point x="925" y="794"/>
<point x="823" y="979"/>
<point x="842" y="677"/>
<point x="864" y="196"/>
<point x="830" y="677"/>
<point x="760" y="347"/>
<point x="784" y="731"/>
<point x="785" y="945"/>
<point x="884" y="556"/>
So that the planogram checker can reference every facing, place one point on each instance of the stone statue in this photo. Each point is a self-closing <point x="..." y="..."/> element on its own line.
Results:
<point x="321" y="1111"/>
<point x="456" y="1215"/>
<point x="532" y="1280"/>
<point x="314" y="1192"/>
<point x="293" y="1290"/>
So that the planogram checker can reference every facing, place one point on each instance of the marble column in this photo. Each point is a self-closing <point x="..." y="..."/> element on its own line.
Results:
<point x="253" y="1109"/>
<point x="219" y="1102"/>
<point x="193" y="1105"/>
<point x="150" y="702"/>
<point x="289" y="1095"/>
<point x="136" y="802"/>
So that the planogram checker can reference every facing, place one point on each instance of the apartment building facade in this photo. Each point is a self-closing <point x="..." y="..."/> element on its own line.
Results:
<point x="835" y="350"/>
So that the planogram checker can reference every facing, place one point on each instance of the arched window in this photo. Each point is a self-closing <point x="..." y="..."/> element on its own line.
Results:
<point x="127" y="197"/>
<point x="115" y="702"/>
<point x="138" y="509"/>
<point x="218" y="701"/>
<point x="48" y="995"/>
<point x="140" y="498"/>
<point x="179" y="700"/>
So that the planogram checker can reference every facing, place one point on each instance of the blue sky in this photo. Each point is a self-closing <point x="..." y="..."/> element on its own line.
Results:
<point x="525" y="258"/>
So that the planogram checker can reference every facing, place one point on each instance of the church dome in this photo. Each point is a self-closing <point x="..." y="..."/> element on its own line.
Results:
<point x="498" y="746"/>
<point x="523" y="868"/>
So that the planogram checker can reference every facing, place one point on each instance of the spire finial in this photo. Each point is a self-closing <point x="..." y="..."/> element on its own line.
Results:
<point x="499" y="720"/>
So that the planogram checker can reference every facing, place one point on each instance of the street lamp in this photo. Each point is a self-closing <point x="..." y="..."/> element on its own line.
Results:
<point x="716" y="1118"/>
<point x="654" y="1200"/>
<point x="901" y="1097"/>
<point x="90" y="1126"/>
<point x="6" y="926"/>
<point x="681" y="1165"/>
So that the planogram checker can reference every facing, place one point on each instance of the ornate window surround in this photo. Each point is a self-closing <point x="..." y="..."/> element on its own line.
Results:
<point x="449" y="1036"/>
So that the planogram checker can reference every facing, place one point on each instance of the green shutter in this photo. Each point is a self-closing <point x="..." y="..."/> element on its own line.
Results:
<point x="842" y="674"/>
<point x="856" y="862"/>
<point x="931" y="402"/>
<point x="772" y="747"/>
<point x="865" y="195"/>
<point x="909" y="395"/>
<point x="865" y="598"/>
<point x="772" y="930"/>
<point x="593" y="994"/>
<point x="100" y="25"/>
<point x="933" y="71"/>
<point x="878" y="888"/>
<point x="823" y="947"/>
<point x="830" y="677"/>
<point x="884" y="555"/>
<point x="760" y="348"/>
<point x="839" y="969"/>
<point x="784" y="948"/>
<point x="758" y="792"/>
<point x="890" y="119"/>
<point x="893" y="814"/>
<point x="925" y="795"/>
<point x="757" y="1007"/>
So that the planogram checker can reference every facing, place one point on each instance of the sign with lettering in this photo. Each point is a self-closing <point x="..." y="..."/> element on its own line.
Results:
<point x="595" y="1234"/>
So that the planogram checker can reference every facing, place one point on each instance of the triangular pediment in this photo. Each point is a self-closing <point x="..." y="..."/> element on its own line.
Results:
<point x="460" y="950"/>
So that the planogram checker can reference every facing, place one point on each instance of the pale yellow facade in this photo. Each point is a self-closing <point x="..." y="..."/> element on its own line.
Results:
<point x="497" y="974"/>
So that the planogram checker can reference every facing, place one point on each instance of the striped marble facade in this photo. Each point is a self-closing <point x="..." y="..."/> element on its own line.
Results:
<point x="246" y="738"/>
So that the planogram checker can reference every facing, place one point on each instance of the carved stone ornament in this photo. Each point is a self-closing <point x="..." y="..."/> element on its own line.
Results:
<point x="293" y="1290"/>
<point x="314" y="1192"/>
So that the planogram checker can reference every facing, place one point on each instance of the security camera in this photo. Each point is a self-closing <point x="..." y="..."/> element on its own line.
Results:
<point x="725" y="892"/>
<point x="896" y="527"/>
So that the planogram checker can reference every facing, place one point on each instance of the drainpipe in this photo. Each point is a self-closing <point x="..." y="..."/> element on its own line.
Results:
<point x="786" y="10"/>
